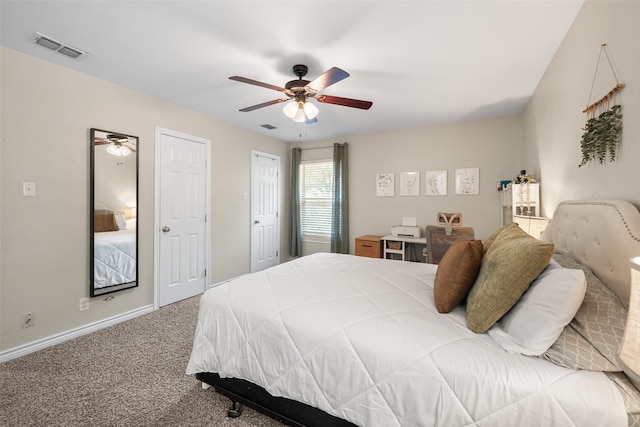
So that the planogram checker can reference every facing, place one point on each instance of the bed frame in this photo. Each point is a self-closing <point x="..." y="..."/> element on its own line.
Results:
<point x="601" y="234"/>
<point x="290" y="412"/>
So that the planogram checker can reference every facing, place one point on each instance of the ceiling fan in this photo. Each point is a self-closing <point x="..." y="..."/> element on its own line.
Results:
<point x="299" y="91"/>
<point x="118" y="144"/>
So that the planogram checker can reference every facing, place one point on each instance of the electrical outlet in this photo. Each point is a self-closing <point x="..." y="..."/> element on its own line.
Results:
<point x="28" y="320"/>
<point x="29" y="189"/>
<point x="84" y="304"/>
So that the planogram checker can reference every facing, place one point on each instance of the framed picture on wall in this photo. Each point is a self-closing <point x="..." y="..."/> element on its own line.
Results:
<point x="409" y="183"/>
<point x="385" y="184"/>
<point x="435" y="183"/>
<point x="468" y="181"/>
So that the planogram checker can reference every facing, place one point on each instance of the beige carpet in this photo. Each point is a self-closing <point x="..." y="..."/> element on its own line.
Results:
<point x="131" y="374"/>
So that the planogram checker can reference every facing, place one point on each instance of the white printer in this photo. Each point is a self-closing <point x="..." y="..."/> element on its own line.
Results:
<point x="407" y="229"/>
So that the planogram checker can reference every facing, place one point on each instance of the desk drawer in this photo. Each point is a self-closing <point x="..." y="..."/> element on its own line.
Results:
<point x="369" y="246"/>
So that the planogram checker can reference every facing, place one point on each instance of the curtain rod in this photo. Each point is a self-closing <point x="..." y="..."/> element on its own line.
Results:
<point x="316" y="148"/>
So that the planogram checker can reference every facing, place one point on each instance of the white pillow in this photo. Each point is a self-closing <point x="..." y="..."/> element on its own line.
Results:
<point x="121" y="222"/>
<point x="539" y="317"/>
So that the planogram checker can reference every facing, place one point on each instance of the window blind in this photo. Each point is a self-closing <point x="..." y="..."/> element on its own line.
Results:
<point x="316" y="188"/>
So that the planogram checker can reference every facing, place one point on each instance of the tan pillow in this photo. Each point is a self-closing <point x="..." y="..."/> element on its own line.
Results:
<point x="104" y="222"/>
<point x="456" y="273"/>
<point x="490" y="239"/>
<point x="513" y="261"/>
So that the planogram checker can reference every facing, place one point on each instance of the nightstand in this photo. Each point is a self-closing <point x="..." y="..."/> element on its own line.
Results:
<point x="369" y="246"/>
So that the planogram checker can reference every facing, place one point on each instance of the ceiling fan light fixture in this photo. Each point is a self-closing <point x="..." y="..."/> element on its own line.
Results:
<point x="300" y="116"/>
<point x="118" y="150"/>
<point x="310" y="110"/>
<point x="300" y="111"/>
<point x="290" y="109"/>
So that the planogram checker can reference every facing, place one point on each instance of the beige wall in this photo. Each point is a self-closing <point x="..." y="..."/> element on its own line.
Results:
<point x="492" y="145"/>
<point x="46" y="114"/>
<point x="554" y="118"/>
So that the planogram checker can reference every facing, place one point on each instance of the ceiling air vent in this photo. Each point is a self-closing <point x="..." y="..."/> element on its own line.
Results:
<point x="268" y="126"/>
<point x="62" y="48"/>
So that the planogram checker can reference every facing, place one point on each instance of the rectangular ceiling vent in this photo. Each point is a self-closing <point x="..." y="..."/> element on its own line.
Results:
<point x="268" y="126"/>
<point x="62" y="48"/>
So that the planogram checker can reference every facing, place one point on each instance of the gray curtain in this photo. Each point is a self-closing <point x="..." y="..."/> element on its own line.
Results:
<point x="340" y="208"/>
<point x="295" y="231"/>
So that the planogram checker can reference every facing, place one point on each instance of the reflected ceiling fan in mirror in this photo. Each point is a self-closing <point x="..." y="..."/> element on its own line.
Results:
<point x="119" y="145"/>
<point x="300" y="91"/>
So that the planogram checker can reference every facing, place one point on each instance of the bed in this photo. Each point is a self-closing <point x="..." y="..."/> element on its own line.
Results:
<point x="341" y="340"/>
<point x="114" y="249"/>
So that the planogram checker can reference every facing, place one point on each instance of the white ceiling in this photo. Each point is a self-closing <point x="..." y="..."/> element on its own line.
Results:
<point x="420" y="62"/>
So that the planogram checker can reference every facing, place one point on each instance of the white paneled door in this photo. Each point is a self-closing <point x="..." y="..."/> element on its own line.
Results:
<point x="265" y="202"/>
<point x="183" y="210"/>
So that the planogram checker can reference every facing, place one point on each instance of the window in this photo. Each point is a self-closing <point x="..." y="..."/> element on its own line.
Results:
<point x="316" y="188"/>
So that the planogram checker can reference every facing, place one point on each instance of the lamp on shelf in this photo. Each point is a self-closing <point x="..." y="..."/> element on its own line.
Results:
<point x="130" y="212"/>
<point x="630" y="349"/>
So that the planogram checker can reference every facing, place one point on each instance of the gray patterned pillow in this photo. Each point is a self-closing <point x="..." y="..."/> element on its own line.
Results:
<point x="592" y="339"/>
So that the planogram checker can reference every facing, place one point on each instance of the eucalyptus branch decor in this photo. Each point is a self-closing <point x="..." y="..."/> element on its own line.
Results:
<point x="602" y="134"/>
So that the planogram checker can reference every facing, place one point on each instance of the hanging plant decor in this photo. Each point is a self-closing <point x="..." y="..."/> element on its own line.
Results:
<point x="602" y="134"/>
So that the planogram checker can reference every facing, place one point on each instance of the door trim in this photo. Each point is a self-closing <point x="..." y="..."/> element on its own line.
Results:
<point x="156" y="208"/>
<point x="254" y="154"/>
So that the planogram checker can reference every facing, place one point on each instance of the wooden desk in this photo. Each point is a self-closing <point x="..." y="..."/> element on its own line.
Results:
<point x="403" y="241"/>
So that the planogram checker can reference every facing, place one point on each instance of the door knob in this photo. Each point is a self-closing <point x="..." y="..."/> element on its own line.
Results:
<point x="166" y="229"/>
<point x="256" y="222"/>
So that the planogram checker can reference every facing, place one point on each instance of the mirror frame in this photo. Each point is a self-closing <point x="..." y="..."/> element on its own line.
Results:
<point x="93" y="291"/>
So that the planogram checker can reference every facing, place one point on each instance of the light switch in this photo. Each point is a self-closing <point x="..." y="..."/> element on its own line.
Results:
<point x="29" y="189"/>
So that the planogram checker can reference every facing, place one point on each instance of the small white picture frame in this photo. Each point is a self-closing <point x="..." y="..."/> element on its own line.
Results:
<point x="385" y="184"/>
<point x="435" y="183"/>
<point x="468" y="181"/>
<point x="409" y="183"/>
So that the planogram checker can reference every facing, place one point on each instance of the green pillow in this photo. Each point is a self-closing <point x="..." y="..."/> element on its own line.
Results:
<point x="513" y="260"/>
<point x="494" y="235"/>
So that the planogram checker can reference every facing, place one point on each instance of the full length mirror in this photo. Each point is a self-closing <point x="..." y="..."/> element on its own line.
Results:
<point x="113" y="212"/>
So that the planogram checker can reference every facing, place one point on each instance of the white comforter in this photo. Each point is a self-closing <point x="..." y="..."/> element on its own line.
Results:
<point x="114" y="258"/>
<point x="361" y="339"/>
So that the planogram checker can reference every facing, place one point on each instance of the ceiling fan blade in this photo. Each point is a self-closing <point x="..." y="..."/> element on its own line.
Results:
<point x="347" y="102"/>
<point x="257" y="83"/>
<point x="331" y="76"/>
<point x="264" y="104"/>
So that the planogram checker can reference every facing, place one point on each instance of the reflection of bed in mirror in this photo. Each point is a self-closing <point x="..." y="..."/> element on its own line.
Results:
<point x="114" y="249"/>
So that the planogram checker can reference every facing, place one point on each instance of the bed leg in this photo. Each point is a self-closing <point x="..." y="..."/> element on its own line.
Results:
<point x="235" y="411"/>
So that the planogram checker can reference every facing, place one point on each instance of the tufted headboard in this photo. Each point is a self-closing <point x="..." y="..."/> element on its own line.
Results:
<point x="601" y="234"/>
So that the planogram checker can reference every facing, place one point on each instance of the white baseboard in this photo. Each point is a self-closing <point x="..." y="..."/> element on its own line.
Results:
<point x="43" y="343"/>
